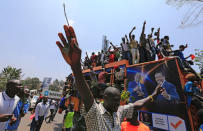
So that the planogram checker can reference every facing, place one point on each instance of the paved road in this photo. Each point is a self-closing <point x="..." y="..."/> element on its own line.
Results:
<point x="53" y="126"/>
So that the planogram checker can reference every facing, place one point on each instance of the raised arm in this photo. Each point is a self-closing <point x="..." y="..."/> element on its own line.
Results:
<point x="130" y="34"/>
<point x="158" y="35"/>
<point x="126" y="38"/>
<point x="140" y="103"/>
<point x="114" y="47"/>
<point x="152" y="30"/>
<point x="72" y="55"/>
<point x="143" y="28"/>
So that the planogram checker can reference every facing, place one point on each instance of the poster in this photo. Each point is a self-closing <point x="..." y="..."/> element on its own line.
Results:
<point x="46" y="82"/>
<point x="143" y="79"/>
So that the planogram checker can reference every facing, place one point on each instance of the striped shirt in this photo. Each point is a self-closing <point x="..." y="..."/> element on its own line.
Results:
<point x="99" y="119"/>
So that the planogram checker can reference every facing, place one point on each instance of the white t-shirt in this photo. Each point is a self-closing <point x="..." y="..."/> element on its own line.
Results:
<point x="7" y="106"/>
<point x="102" y="57"/>
<point x="52" y="106"/>
<point x="125" y="47"/>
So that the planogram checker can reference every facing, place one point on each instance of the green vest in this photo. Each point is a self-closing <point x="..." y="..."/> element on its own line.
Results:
<point x="68" y="123"/>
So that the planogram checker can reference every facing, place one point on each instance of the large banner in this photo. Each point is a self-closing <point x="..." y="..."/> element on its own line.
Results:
<point x="169" y="106"/>
<point x="46" y="82"/>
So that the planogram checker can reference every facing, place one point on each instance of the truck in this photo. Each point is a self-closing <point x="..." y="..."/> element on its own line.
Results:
<point x="172" y="113"/>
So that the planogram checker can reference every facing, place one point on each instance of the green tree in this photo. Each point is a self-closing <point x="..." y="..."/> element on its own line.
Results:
<point x="7" y="74"/>
<point x="11" y="73"/>
<point x="199" y="58"/>
<point x="32" y="83"/>
<point x="55" y="86"/>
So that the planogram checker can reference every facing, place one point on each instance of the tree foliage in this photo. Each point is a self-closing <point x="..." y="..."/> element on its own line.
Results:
<point x="199" y="58"/>
<point x="9" y="73"/>
<point x="32" y="83"/>
<point x="56" y="85"/>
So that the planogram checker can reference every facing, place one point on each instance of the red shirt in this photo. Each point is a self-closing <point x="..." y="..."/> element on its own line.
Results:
<point x="93" y="58"/>
<point x="111" y="58"/>
<point x="126" y="126"/>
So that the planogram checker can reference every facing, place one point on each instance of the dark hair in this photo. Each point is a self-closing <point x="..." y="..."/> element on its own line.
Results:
<point x="181" y="46"/>
<point x="162" y="71"/>
<point x="10" y="83"/>
<point x="166" y="37"/>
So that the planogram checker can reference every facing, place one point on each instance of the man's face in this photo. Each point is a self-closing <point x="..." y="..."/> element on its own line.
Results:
<point x="112" y="102"/>
<point x="181" y="49"/>
<point x="133" y="37"/>
<point x="14" y="88"/>
<point x="27" y="93"/>
<point x="45" y="99"/>
<point x="159" y="78"/>
<point x="137" y="77"/>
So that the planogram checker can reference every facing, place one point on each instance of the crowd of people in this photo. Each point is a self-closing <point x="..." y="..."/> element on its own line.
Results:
<point x="146" y="49"/>
<point x="94" y="114"/>
<point x="15" y="104"/>
<point x="108" y="115"/>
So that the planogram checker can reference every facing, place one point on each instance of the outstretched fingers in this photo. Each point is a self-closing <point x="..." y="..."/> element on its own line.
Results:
<point x="74" y="44"/>
<point x="70" y="33"/>
<point x="58" y="43"/>
<point x="63" y="39"/>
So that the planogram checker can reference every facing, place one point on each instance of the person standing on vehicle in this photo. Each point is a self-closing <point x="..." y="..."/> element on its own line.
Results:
<point x="134" y="47"/>
<point x="41" y="112"/>
<point x="106" y="116"/>
<point x="8" y="102"/>
<point x="142" y="48"/>
<point x="125" y="50"/>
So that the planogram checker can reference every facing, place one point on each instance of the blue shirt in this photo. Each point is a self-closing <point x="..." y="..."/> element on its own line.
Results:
<point x="189" y="87"/>
<point x="181" y="55"/>
<point x="171" y="90"/>
<point x="16" y="113"/>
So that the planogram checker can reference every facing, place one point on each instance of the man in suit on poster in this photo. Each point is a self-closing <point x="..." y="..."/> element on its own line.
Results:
<point x="169" y="95"/>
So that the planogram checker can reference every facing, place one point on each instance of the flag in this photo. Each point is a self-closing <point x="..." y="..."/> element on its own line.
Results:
<point x="192" y="56"/>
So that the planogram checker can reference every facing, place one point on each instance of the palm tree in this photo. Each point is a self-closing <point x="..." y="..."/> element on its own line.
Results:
<point x="11" y="73"/>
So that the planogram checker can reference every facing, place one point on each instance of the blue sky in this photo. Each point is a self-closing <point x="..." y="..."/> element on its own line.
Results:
<point x="29" y="29"/>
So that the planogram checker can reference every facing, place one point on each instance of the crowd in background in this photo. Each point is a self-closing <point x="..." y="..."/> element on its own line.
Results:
<point x="149" y="48"/>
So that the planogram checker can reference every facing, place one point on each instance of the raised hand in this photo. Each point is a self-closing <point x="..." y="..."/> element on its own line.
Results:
<point x="158" y="90"/>
<point x="152" y="29"/>
<point x="165" y="94"/>
<point x="134" y="27"/>
<point x="69" y="47"/>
